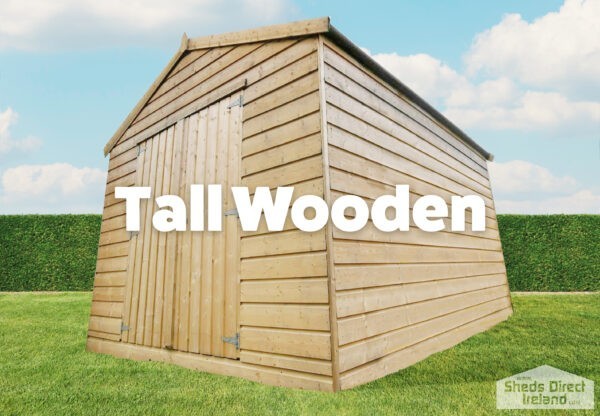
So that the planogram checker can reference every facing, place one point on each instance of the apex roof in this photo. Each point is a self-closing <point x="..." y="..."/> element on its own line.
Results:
<point x="318" y="26"/>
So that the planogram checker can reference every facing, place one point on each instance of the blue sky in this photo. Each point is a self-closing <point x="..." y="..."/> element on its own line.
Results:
<point x="522" y="78"/>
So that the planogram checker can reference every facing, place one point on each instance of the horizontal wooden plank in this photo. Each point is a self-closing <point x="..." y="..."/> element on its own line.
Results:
<point x="283" y="95"/>
<point x="351" y="105"/>
<point x="362" y="252"/>
<point x="183" y="72"/>
<point x="104" y="335"/>
<point x="218" y="72"/>
<point x="291" y="173"/>
<point x="113" y="210"/>
<point x="110" y="279"/>
<point x="312" y="264"/>
<point x="393" y="104"/>
<point x="114" y="264"/>
<point x="282" y="115"/>
<point x="122" y="146"/>
<point x="353" y="276"/>
<point x="309" y="344"/>
<point x="311" y="317"/>
<point x="127" y="180"/>
<point x="346" y="183"/>
<point x="187" y="59"/>
<point x="419" y="351"/>
<point x="113" y="223"/>
<point x="309" y="365"/>
<point x="224" y="366"/>
<point x="358" y="353"/>
<point x="404" y="143"/>
<point x="282" y="155"/>
<point x="310" y="187"/>
<point x="444" y="176"/>
<point x="303" y="290"/>
<point x="108" y="294"/>
<point x="107" y="309"/>
<point x="367" y="325"/>
<point x="104" y="324"/>
<point x="168" y="116"/>
<point x="306" y="61"/>
<point x="284" y="242"/>
<point x="293" y="130"/>
<point x="355" y="163"/>
<point x="115" y="236"/>
<point x="122" y="170"/>
<point x="417" y="236"/>
<point x="354" y="302"/>
<point x="113" y="250"/>
<point x="122" y="159"/>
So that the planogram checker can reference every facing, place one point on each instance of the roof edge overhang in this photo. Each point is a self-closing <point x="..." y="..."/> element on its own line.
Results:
<point x="319" y="26"/>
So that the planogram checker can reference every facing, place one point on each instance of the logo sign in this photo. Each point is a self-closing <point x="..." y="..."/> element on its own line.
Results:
<point x="545" y="387"/>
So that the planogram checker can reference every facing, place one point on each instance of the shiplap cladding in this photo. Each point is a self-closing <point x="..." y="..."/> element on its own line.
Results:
<point x="283" y="291"/>
<point x="296" y="105"/>
<point x="402" y="296"/>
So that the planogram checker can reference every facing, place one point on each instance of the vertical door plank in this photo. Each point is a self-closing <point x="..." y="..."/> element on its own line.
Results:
<point x="171" y="248"/>
<point x="178" y="255"/>
<point x="137" y="274"/>
<point x="159" y="298"/>
<point x="153" y="258"/>
<point x="147" y="251"/>
<point x="207" y="239"/>
<point x="218" y="269"/>
<point x="196" y="261"/>
<point x="133" y="243"/>
<point x="186" y="249"/>
<point x="232" y="232"/>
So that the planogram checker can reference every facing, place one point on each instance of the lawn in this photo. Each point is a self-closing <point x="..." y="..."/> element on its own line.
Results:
<point x="45" y="369"/>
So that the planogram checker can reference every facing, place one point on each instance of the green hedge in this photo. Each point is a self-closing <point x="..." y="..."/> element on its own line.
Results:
<point x="551" y="252"/>
<point x="58" y="252"/>
<point x="48" y="252"/>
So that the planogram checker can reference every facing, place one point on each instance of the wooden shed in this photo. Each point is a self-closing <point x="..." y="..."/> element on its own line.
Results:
<point x="294" y="104"/>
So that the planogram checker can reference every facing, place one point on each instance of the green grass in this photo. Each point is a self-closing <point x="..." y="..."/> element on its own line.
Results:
<point x="44" y="368"/>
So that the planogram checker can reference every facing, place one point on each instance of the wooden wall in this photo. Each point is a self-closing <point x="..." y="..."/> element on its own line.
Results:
<point x="284" y="290"/>
<point x="395" y="297"/>
<point x="402" y="296"/>
<point x="284" y="313"/>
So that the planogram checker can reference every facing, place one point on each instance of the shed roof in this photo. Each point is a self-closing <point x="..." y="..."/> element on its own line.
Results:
<point x="290" y="30"/>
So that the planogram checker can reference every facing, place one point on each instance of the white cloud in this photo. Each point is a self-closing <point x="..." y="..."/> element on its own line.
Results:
<point x="522" y="187"/>
<point x="59" y="24"/>
<point x="532" y="110"/>
<point x="518" y="176"/>
<point x="8" y="118"/>
<point x="541" y="76"/>
<point x="53" y="188"/>
<point x="560" y="50"/>
<point x="581" y="202"/>
<point x="426" y="75"/>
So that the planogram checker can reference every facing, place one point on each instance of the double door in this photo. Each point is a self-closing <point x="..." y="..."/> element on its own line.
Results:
<point x="182" y="289"/>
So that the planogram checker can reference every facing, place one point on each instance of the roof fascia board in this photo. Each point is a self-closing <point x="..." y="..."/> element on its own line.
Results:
<point x="287" y="30"/>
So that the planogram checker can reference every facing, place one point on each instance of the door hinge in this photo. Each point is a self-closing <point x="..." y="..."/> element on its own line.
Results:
<point x="124" y="327"/>
<point x="239" y="101"/>
<point x="233" y="340"/>
<point x="233" y="212"/>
